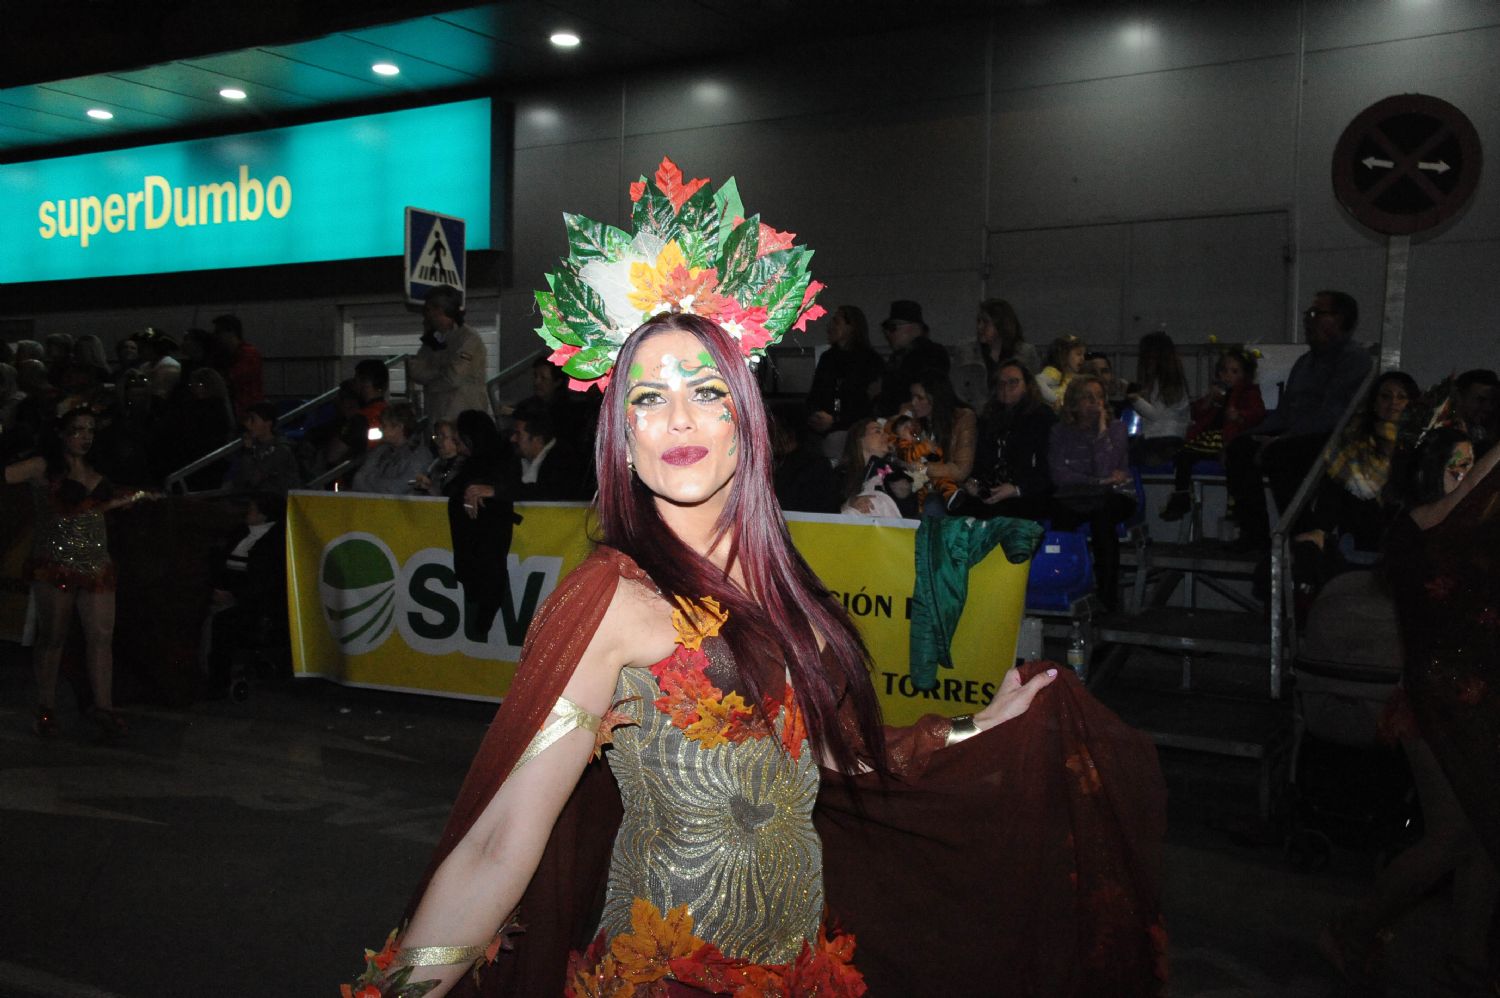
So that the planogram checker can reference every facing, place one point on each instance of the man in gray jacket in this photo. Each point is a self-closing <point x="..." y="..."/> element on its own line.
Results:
<point x="450" y="366"/>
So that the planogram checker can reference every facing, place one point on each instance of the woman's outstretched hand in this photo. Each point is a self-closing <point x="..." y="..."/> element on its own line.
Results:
<point x="1014" y="698"/>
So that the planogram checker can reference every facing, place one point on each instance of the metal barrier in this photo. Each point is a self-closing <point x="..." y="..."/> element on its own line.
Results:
<point x="176" y="482"/>
<point x="1282" y="609"/>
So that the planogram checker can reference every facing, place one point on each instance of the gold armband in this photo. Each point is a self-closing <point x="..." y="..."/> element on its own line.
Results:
<point x="565" y="716"/>
<point x="439" y="956"/>
<point x="961" y="727"/>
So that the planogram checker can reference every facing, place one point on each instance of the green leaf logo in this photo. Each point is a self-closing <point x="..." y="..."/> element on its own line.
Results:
<point x="357" y="585"/>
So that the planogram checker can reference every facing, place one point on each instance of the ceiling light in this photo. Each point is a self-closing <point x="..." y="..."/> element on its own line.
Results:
<point x="564" y="39"/>
<point x="232" y="93"/>
<point x="99" y="114"/>
<point x="385" y="68"/>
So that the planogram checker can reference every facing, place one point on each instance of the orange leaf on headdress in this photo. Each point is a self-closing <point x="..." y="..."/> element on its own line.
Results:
<point x="669" y="181"/>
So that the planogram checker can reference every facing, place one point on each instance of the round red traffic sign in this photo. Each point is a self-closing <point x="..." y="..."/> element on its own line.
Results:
<point x="1406" y="163"/>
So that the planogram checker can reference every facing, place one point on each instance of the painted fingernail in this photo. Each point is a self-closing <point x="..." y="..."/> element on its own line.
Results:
<point x="1051" y="672"/>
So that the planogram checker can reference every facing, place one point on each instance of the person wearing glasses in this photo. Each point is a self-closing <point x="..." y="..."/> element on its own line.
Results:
<point x="1320" y="387"/>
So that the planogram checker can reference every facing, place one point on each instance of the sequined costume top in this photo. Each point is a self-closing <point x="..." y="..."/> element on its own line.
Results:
<point x="70" y="547"/>
<point x="718" y="812"/>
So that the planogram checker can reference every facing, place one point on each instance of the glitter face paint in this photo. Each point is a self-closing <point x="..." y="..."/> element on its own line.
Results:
<point x="680" y="420"/>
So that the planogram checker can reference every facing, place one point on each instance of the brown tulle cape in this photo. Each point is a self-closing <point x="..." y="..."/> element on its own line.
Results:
<point x="1446" y="584"/>
<point x="1023" y="861"/>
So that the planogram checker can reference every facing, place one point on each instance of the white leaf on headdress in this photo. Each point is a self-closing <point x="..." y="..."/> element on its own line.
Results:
<point x="611" y="279"/>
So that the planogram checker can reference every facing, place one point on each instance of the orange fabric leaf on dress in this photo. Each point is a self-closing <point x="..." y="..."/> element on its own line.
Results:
<point x="710" y="970"/>
<point x="715" y="718"/>
<point x="683" y="685"/>
<point x="827" y="968"/>
<point x="793" y="726"/>
<point x="645" y="953"/>
<point x="612" y="719"/>
<point x="696" y="621"/>
<point x="669" y="182"/>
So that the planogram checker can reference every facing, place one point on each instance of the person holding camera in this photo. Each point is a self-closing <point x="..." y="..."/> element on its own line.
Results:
<point x="1010" y="464"/>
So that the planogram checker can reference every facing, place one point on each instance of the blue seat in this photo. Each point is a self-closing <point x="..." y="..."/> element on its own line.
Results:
<point x="1062" y="571"/>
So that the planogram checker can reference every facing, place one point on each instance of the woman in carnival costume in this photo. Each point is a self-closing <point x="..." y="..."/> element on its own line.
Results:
<point x="1017" y="848"/>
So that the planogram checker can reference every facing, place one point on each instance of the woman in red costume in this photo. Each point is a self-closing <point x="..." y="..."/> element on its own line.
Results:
<point x="1013" y="851"/>
<point x="756" y="819"/>
<point x="70" y="567"/>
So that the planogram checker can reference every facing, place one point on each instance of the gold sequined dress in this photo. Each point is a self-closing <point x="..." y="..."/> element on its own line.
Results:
<point x="719" y="823"/>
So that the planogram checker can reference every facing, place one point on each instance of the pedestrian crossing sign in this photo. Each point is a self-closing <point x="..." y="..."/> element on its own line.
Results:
<point x="435" y="253"/>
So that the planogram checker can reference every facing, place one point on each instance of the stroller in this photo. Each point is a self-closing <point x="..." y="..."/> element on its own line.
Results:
<point x="1347" y="785"/>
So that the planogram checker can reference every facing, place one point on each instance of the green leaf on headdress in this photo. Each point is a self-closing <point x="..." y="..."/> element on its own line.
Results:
<point x="553" y="330"/>
<point x="654" y="213"/>
<point x="785" y="300"/>
<point x="727" y="202"/>
<point x="582" y="308"/>
<point x="698" y="229"/>
<point x="738" y="258"/>
<point x="591" y="240"/>
<point x="769" y="271"/>
<point x="591" y="362"/>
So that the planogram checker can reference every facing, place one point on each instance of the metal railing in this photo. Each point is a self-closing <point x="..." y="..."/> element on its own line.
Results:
<point x="492" y="386"/>
<point x="1282" y="609"/>
<point x="176" y="482"/>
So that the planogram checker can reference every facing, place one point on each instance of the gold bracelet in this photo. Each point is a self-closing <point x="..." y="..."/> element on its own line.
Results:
<point x="439" y="956"/>
<point x="961" y="727"/>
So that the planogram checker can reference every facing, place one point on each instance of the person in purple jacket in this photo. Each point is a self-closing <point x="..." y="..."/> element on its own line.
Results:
<point x="1087" y="456"/>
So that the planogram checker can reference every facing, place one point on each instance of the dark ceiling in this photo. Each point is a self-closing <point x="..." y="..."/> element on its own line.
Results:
<point x="158" y="65"/>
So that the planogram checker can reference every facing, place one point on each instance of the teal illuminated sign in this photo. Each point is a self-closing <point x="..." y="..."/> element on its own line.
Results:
<point x="334" y="190"/>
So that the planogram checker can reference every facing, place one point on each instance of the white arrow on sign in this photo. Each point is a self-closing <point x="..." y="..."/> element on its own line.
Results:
<point x="1371" y="162"/>
<point x="1440" y="167"/>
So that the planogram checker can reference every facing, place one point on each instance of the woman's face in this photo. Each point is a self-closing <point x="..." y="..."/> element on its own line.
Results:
<point x="1460" y="460"/>
<point x="1090" y="404"/>
<point x="1390" y="402"/>
<point x="446" y="441"/>
<point x="1231" y="372"/>
<point x="392" y="431"/>
<point x="838" y="330"/>
<point x="78" y="435"/>
<point x="1010" y="386"/>
<point x="875" y="442"/>
<point x="1075" y="360"/>
<point x="921" y="402"/>
<point x="984" y="329"/>
<point x="680" y="421"/>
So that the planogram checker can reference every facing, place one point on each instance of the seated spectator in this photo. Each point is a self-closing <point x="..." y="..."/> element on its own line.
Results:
<point x="248" y="607"/>
<point x="161" y="364"/>
<point x="124" y="430"/>
<point x="913" y="353"/>
<point x="127" y="358"/>
<point x="57" y="353"/>
<point x="1087" y="456"/>
<point x="948" y="431"/>
<point x="1160" y="397"/>
<point x="1010" y="462"/>
<point x="198" y="422"/>
<point x="450" y="458"/>
<point x="1287" y="443"/>
<point x="1231" y="406"/>
<point x="371" y="380"/>
<point x="391" y="467"/>
<point x="10" y="396"/>
<point x="89" y="351"/>
<point x="334" y="433"/>
<point x="25" y="350"/>
<point x="847" y="376"/>
<point x="998" y="329"/>
<point x="1477" y="408"/>
<point x="1348" y="513"/>
<point x="35" y="409"/>
<point x="1064" y="362"/>
<point x="803" y="479"/>
<point x="550" y="468"/>
<point x="267" y="463"/>
<point x="1099" y="366"/>
<point x="574" y="414"/>
<point x="868" y="458"/>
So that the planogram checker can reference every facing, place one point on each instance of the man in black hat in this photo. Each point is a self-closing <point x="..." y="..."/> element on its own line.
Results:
<point x="912" y="354"/>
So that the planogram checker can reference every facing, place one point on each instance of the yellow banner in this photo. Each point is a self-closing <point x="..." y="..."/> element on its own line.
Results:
<point x="374" y="601"/>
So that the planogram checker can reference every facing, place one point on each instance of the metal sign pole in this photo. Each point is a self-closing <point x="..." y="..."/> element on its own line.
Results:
<point x="1397" y="252"/>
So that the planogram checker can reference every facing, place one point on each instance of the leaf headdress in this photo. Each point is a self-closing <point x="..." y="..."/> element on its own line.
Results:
<point x="693" y="251"/>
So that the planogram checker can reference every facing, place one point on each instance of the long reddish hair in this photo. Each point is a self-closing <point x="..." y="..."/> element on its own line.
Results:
<point x="783" y="604"/>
